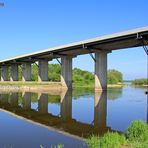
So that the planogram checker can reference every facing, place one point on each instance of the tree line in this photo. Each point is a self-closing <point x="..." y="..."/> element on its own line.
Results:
<point x="80" y="77"/>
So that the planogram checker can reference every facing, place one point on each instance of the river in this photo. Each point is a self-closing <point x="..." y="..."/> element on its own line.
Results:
<point x="33" y="120"/>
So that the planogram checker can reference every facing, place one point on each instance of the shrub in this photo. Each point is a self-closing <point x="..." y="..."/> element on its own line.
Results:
<point x="109" y="140"/>
<point x="136" y="144"/>
<point x="114" y="76"/>
<point x="112" y="140"/>
<point x="137" y="131"/>
<point x="93" y="142"/>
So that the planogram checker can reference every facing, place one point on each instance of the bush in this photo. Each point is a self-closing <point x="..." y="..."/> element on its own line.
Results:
<point x="136" y="144"/>
<point x="137" y="131"/>
<point x="109" y="140"/>
<point x="112" y="140"/>
<point x="114" y="77"/>
<point x="93" y="142"/>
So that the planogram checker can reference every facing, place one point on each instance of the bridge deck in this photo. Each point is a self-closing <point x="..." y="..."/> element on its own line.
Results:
<point x="110" y="42"/>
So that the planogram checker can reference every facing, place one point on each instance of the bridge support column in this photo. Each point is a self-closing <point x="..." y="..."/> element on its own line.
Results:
<point x="4" y="73"/>
<point x="43" y="103"/>
<point x="101" y="70"/>
<point x="26" y="72"/>
<point x="43" y="71"/>
<point x="66" y="72"/>
<point x="14" y="73"/>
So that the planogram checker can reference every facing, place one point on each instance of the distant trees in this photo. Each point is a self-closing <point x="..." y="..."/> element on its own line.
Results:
<point x="142" y="81"/>
<point x="80" y="77"/>
<point x="114" y="77"/>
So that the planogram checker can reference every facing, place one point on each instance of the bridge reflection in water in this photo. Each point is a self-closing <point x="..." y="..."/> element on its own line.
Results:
<point x="20" y="105"/>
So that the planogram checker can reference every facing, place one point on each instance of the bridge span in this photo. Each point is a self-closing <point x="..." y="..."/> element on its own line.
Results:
<point x="100" y="46"/>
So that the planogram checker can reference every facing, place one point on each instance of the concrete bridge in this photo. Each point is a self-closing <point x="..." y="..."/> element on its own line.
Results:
<point x="100" y="46"/>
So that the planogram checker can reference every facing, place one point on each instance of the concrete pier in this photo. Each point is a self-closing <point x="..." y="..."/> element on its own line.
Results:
<point x="66" y="72"/>
<point x="26" y="71"/>
<point x="43" y="71"/>
<point x="101" y="70"/>
<point x="43" y="103"/>
<point x="14" y="72"/>
<point x="4" y="73"/>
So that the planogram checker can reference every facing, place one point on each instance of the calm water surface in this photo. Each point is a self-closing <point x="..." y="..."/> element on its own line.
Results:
<point x="26" y="118"/>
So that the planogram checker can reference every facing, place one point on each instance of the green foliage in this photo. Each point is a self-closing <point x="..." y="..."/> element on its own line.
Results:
<point x="93" y="142"/>
<point x="34" y="72"/>
<point x="112" y="140"/>
<point x="137" y="144"/>
<point x="54" y="72"/>
<point x="80" y="77"/>
<point x="140" y="82"/>
<point x="114" y="77"/>
<point x="137" y="131"/>
<point x="109" y="140"/>
<point x="19" y="73"/>
<point x="137" y="137"/>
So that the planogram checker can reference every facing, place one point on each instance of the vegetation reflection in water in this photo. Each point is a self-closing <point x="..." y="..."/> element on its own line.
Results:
<point x="20" y="103"/>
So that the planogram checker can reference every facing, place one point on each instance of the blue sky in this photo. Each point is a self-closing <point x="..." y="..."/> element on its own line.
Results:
<point x="31" y="25"/>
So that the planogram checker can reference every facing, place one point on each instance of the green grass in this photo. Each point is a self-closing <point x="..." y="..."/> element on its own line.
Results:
<point x="138" y="131"/>
<point x="109" y="140"/>
<point x="112" y="140"/>
<point x="136" y="137"/>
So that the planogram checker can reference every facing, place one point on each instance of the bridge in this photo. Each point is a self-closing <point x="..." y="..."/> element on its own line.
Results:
<point x="100" y="46"/>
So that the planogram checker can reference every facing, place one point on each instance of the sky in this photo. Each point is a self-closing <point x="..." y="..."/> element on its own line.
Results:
<point x="31" y="25"/>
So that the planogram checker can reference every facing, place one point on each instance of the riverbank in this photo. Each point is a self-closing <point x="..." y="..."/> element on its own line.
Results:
<point x="45" y="86"/>
<point x="54" y="87"/>
<point x="136" y="137"/>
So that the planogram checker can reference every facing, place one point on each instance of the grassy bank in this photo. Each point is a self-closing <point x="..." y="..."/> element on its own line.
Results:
<point x="136" y="137"/>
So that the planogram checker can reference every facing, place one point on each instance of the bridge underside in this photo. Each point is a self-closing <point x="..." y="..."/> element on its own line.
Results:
<point x="100" y="46"/>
